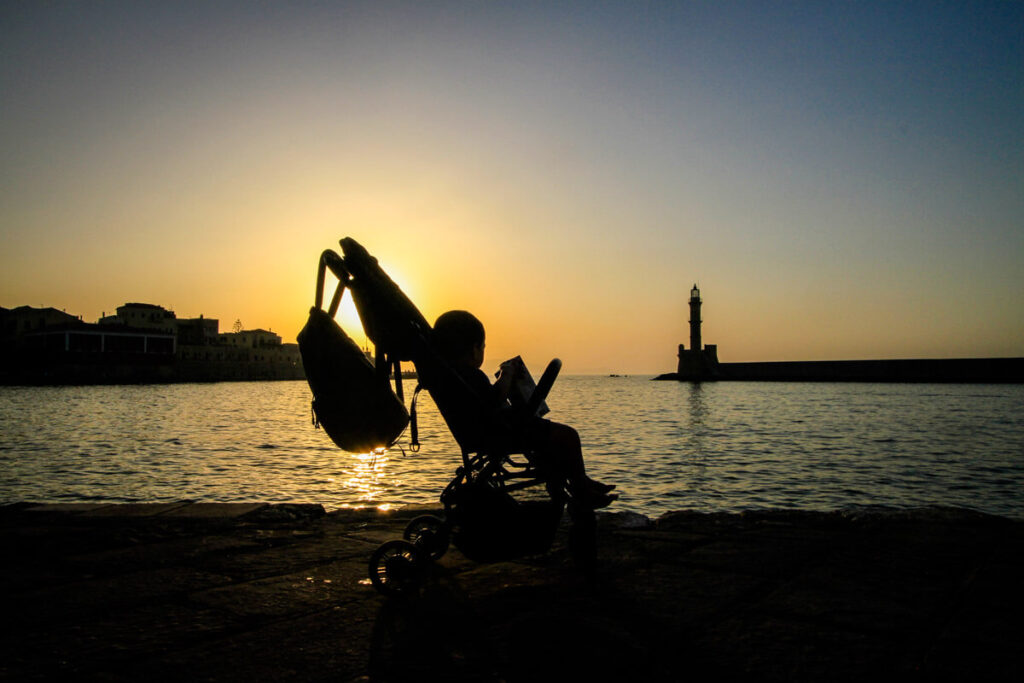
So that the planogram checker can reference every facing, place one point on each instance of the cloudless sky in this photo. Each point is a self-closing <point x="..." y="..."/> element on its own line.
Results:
<point x="843" y="180"/>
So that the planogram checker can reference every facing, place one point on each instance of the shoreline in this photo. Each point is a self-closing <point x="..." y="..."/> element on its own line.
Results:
<point x="253" y="591"/>
<point x="168" y="508"/>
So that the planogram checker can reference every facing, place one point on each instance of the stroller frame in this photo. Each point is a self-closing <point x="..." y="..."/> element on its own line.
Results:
<point x="481" y="515"/>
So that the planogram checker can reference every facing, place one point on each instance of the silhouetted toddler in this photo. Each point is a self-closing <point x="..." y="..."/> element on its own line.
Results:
<point x="460" y="339"/>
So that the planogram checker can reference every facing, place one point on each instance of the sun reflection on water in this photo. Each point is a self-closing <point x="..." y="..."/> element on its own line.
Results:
<point x="368" y="478"/>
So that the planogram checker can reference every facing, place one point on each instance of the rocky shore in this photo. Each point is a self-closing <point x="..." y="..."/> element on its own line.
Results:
<point x="239" y="592"/>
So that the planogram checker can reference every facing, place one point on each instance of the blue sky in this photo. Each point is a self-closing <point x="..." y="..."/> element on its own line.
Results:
<point x="844" y="180"/>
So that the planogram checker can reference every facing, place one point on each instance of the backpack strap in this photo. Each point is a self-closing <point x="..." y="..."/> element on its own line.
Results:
<point x="414" y="430"/>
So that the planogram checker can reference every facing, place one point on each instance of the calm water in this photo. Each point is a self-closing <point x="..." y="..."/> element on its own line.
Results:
<point x="727" y="446"/>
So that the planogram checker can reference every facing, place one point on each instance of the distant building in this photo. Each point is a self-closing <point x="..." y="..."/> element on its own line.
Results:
<point x="93" y="338"/>
<point x="250" y="339"/>
<point x="46" y="346"/>
<point x="17" y="322"/>
<point x="263" y="351"/>
<point x="142" y="315"/>
<point x="140" y="343"/>
<point x="198" y="331"/>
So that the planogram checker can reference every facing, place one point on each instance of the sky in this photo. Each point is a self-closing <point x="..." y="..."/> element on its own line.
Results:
<point x="842" y="180"/>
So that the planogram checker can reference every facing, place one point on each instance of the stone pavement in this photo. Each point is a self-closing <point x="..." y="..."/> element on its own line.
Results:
<point x="238" y="592"/>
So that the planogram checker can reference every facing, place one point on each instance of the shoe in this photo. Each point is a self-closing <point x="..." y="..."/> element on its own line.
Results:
<point x="596" y="501"/>
<point x="599" y="487"/>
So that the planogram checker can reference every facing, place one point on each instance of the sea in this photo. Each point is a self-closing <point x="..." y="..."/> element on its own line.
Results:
<point x="711" y="447"/>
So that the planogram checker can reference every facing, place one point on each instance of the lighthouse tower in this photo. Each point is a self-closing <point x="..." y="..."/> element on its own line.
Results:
<point x="699" y="362"/>
<point x="695" y="319"/>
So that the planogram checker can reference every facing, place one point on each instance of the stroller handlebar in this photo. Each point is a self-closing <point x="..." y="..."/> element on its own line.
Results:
<point x="543" y="386"/>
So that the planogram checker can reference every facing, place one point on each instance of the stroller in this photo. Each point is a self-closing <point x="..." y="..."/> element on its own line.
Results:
<point x="502" y="502"/>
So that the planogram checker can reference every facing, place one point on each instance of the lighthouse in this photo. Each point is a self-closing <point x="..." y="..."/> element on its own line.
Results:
<point x="695" y="319"/>
<point x="699" y="362"/>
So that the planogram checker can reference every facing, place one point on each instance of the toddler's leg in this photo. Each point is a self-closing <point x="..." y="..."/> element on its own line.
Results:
<point x="567" y="452"/>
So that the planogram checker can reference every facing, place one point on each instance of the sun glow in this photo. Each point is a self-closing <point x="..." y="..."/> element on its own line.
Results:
<point x="348" y="316"/>
<point x="349" y="320"/>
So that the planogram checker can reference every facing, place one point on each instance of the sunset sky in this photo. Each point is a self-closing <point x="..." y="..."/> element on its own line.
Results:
<point x="843" y="180"/>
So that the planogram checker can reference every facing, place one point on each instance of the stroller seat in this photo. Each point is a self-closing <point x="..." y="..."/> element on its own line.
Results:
<point x="487" y="504"/>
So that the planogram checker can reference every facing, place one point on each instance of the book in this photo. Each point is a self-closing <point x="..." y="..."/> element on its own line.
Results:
<point x="523" y="386"/>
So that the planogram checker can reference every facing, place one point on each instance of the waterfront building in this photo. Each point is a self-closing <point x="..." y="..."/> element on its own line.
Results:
<point x="149" y="316"/>
<point x="140" y="343"/>
<point x="197" y="331"/>
<point x="250" y="339"/>
<point x="79" y="337"/>
<point x="15" y="323"/>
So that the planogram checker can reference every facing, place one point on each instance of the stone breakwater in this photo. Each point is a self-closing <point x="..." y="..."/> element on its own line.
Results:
<point x="278" y="592"/>
<point x="938" y="370"/>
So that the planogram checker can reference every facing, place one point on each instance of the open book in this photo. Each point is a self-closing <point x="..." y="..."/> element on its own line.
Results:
<point x="523" y="387"/>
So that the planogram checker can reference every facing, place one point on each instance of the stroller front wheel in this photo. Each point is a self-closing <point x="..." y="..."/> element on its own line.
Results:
<point x="430" y="534"/>
<point x="396" y="568"/>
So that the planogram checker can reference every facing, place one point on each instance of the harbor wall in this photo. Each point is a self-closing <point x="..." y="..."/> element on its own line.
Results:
<point x="943" y="370"/>
<point x="114" y="368"/>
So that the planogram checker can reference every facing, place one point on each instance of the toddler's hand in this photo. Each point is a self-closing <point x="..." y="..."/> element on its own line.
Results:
<point x="509" y="367"/>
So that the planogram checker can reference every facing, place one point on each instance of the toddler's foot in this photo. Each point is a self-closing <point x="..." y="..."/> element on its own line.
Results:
<point x="596" y="500"/>
<point x="599" y="487"/>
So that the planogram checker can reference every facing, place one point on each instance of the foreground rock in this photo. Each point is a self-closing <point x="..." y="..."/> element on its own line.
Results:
<point x="257" y="593"/>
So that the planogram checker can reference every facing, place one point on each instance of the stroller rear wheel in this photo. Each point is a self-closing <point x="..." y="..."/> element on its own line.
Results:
<point x="428" y="533"/>
<point x="396" y="568"/>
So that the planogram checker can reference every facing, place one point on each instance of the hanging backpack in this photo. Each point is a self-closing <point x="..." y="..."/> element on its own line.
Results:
<point x="352" y="400"/>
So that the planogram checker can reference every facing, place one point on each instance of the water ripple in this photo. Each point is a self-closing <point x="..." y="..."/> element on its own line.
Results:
<point x="714" y="447"/>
